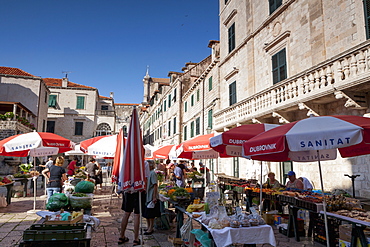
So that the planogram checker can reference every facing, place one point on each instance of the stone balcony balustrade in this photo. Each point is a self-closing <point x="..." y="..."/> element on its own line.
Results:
<point x="9" y="128"/>
<point x="323" y="83"/>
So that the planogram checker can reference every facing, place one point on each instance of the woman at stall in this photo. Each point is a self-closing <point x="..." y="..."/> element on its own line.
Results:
<point x="72" y="167"/>
<point x="55" y="175"/>
<point x="152" y="209"/>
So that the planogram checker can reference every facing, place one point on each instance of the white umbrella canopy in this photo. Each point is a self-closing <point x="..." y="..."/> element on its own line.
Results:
<point x="101" y="146"/>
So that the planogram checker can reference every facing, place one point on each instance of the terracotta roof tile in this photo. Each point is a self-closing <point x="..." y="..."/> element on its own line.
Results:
<point x="14" y="71"/>
<point x="53" y="82"/>
<point x="104" y="97"/>
<point x="161" y="80"/>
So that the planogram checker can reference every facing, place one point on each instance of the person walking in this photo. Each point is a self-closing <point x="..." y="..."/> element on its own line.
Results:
<point x="152" y="209"/>
<point x="56" y="175"/>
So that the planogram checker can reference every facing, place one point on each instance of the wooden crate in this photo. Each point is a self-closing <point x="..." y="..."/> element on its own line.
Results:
<point x="70" y="221"/>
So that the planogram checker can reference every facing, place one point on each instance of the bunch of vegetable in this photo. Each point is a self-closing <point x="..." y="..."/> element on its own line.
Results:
<point x="19" y="175"/>
<point x="194" y="174"/>
<point x="25" y="167"/>
<point x="180" y="193"/>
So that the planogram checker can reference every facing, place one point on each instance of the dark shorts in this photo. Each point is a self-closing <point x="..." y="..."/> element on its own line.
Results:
<point x="151" y="213"/>
<point x="130" y="202"/>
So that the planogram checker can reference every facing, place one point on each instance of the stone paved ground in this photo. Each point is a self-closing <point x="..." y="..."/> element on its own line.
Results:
<point x="14" y="219"/>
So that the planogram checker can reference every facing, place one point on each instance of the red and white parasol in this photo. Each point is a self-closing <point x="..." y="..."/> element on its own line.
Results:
<point x="165" y="152"/>
<point x="131" y="176"/>
<point x="42" y="143"/>
<point x="313" y="139"/>
<point x="118" y="157"/>
<point x="101" y="146"/>
<point x="197" y="148"/>
<point x="230" y="142"/>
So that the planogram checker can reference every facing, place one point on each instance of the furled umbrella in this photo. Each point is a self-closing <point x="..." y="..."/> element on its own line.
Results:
<point x="313" y="139"/>
<point x="102" y="146"/>
<point x="131" y="177"/>
<point x="118" y="157"/>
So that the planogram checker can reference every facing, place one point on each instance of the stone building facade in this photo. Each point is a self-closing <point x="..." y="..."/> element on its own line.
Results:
<point x="25" y="95"/>
<point x="77" y="112"/>
<point x="123" y="113"/>
<point x="285" y="61"/>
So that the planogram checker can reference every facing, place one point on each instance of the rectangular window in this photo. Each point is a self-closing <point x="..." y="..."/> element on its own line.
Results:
<point x="185" y="133"/>
<point x="192" y="100"/>
<point x="198" y="95"/>
<point x="197" y="126"/>
<point x="80" y="102"/>
<point x="279" y="66"/>
<point x="367" y="17"/>
<point x="274" y="5"/>
<point x="232" y="93"/>
<point x="174" y="95"/>
<point x="104" y="108"/>
<point x="231" y="35"/>
<point x="210" y="83"/>
<point x="50" y="126"/>
<point x="192" y="129"/>
<point x="174" y="125"/>
<point x="79" y="128"/>
<point x="186" y="106"/>
<point x="210" y="119"/>
<point x="169" y="128"/>
<point x="236" y="166"/>
<point x="165" y="105"/>
<point x="52" y="100"/>
<point x="169" y="101"/>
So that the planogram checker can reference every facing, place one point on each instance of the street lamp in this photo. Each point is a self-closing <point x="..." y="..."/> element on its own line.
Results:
<point x="209" y="130"/>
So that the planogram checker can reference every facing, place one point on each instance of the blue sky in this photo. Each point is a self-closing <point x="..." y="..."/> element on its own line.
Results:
<point x="106" y="44"/>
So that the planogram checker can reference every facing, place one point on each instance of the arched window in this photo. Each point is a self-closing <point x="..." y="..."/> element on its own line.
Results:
<point x="103" y="129"/>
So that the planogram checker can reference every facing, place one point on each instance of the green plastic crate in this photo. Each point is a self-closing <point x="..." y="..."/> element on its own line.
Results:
<point x="41" y="232"/>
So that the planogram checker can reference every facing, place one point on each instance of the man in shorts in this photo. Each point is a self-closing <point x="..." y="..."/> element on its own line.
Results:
<point x="130" y="204"/>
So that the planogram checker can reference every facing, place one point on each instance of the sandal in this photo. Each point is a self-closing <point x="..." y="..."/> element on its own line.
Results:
<point x="136" y="242"/>
<point x="123" y="240"/>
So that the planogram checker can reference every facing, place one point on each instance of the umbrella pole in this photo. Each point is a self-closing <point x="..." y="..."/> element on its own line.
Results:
<point x="324" y="202"/>
<point x="261" y="190"/>
<point x="141" y="222"/>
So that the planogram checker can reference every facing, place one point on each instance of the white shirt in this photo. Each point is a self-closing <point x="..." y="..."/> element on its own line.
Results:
<point x="307" y="184"/>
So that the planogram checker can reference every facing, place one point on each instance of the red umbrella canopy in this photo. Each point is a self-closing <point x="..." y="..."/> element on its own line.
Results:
<point x="300" y="140"/>
<point x="230" y="142"/>
<point x="118" y="157"/>
<point x="131" y="177"/>
<point x="163" y="152"/>
<point x="197" y="148"/>
<point x="20" y="145"/>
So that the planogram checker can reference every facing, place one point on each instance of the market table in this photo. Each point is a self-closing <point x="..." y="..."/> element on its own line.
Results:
<point x="9" y="189"/>
<point x="24" y="182"/>
<point x="358" y="227"/>
<point x="262" y="234"/>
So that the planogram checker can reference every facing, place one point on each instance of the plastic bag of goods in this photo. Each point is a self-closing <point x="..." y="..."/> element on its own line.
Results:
<point x="84" y="187"/>
<point x="80" y="201"/>
<point x="57" y="201"/>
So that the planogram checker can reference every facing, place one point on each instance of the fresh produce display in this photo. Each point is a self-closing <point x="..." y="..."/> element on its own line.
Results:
<point x="79" y="201"/>
<point x="179" y="193"/>
<point x="20" y="175"/>
<point x="5" y="180"/>
<point x="195" y="208"/>
<point x="34" y="173"/>
<point x="194" y="175"/>
<point x="80" y="195"/>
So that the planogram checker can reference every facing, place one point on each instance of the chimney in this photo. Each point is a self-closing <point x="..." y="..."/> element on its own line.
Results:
<point x="65" y="82"/>
<point x="111" y="95"/>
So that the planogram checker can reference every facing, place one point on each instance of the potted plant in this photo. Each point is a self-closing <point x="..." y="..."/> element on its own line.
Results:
<point x="2" y="117"/>
<point x="9" y="115"/>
